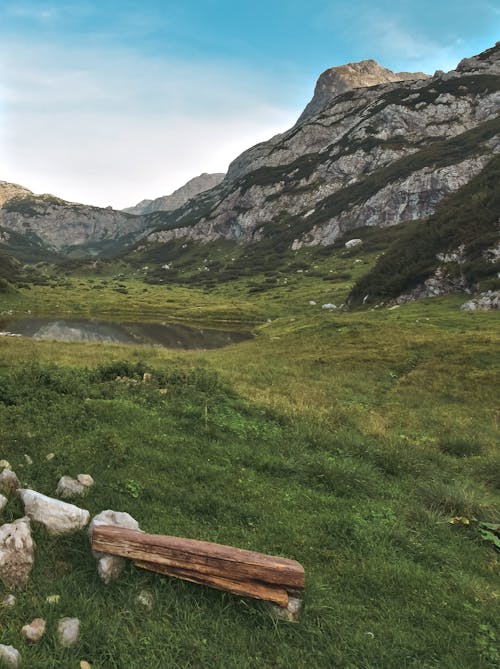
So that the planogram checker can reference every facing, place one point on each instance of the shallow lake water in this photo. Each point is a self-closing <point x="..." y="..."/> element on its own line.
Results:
<point x="168" y="335"/>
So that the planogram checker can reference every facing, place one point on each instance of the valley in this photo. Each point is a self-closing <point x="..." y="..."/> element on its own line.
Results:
<point x="352" y="423"/>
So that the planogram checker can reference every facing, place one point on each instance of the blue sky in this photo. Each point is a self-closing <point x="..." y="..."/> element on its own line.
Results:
<point x="110" y="102"/>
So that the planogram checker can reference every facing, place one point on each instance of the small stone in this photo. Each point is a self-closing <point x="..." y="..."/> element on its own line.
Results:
<point x="8" y="602"/>
<point x="29" y="460"/>
<point x="109" y="567"/>
<point x="58" y="517"/>
<point x="289" y="613"/>
<point x="3" y="502"/>
<point x="86" y="480"/>
<point x="312" y="303"/>
<point x="9" y="656"/>
<point x="35" y="630"/>
<point x="68" y="631"/>
<point x="50" y="456"/>
<point x="147" y="377"/>
<point x="69" y="487"/>
<point x="5" y="464"/>
<point x="9" y="482"/>
<point x="16" y="553"/>
<point x="53" y="599"/>
<point x="145" y="600"/>
<point x="85" y="665"/>
<point x="329" y="306"/>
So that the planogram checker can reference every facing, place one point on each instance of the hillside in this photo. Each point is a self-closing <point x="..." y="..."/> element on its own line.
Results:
<point x="375" y="156"/>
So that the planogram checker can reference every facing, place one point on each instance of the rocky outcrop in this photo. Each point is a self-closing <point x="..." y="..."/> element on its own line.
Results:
<point x="338" y="80"/>
<point x="376" y="156"/>
<point x="8" y="191"/>
<point x="179" y="197"/>
<point x="61" y="225"/>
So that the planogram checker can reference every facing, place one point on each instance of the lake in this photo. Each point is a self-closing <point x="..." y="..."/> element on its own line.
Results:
<point x="168" y="335"/>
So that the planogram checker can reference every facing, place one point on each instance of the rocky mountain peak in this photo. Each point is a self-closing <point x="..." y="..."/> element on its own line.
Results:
<point x="343" y="78"/>
<point x="9" y="191"/>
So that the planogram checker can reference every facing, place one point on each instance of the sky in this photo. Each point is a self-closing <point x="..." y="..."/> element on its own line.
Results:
<point x="108" y="102"/>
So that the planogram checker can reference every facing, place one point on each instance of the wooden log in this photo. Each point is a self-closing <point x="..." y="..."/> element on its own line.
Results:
<point x="270" y="593"/>
<point x="204" y="559"/>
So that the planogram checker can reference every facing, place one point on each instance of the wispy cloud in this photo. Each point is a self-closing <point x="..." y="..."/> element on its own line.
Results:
<point x="114" y="127"/>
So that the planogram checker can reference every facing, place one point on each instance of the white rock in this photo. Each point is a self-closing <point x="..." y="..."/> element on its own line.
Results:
<point x="352" y="243"/>
<point x="29" y="460"/>
<point x="312" y="303"/>
<point x="50" y="456"/>
<point x="58" y="517"/>
<point x="69" y="487"/>
<point x="5" y="464"/>
<point x="109" y="567"/>
<point x="9" y="656"/>
<point x="8" y="602"/>
<point x="3" y="502"/>
<point x="16" y="553"/>
<point x="329" y="306"/>
<point x="9" y="482"/>
<point x="145" y="600"/>
<point x="289" y="613"/>
<point x="68" y="631"/>
<point x="35" y="630"/>
<point x="86" y="480"/>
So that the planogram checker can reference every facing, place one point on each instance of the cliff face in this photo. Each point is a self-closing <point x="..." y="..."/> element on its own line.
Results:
<point x="59" y="225"/>
<point x="377" y="155"/>
<point x="178" y="197"/>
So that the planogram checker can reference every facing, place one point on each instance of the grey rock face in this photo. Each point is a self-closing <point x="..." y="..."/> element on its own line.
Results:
<point x="17" y="553"/>
<point x="109" y="567"/>
<point x="179" y="197"/>
<point x="488" y="301"/>
<point x="58" y="517"/>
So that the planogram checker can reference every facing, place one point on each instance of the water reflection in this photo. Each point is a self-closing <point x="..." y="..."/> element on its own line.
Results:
<point x="110" y="332"/>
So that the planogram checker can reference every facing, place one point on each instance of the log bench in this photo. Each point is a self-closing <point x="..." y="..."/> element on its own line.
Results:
<point x="242" y="572"/>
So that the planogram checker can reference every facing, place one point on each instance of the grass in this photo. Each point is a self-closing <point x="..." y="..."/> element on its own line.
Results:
<point x="344" y="440"/>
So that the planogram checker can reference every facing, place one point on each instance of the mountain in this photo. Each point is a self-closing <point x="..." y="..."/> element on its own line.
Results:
<point x="178" y="197"/>
<point x="373" y="156"/>
<point x="65" y="227"/>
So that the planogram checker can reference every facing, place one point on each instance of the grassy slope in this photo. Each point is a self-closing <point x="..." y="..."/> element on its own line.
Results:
<point x="343" y="440"/>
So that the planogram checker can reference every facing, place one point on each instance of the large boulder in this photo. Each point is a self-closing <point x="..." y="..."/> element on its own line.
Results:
<point x="58" y="517"/>
<point x="109" y="567"/>
<point x="17" y="553"/>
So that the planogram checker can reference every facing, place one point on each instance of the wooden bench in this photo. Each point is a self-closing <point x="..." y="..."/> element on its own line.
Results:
<point x="235" y="570"/>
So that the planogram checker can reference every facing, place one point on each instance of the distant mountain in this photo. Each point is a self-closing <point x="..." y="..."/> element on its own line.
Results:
<point x="179" y="197"/>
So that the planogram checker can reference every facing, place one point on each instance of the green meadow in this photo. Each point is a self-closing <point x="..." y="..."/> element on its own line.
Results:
<point x="362" y="443"/>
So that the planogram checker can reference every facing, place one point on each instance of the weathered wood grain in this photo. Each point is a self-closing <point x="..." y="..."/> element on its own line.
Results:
<point x="255" y="589"/>
<point x="204" y="559"/>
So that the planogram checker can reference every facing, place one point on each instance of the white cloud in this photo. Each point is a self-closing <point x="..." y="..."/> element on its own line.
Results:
<point x="108" y="127"/>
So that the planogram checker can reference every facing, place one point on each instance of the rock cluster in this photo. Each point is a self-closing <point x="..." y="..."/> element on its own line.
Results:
<point x="487" y="301"/>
